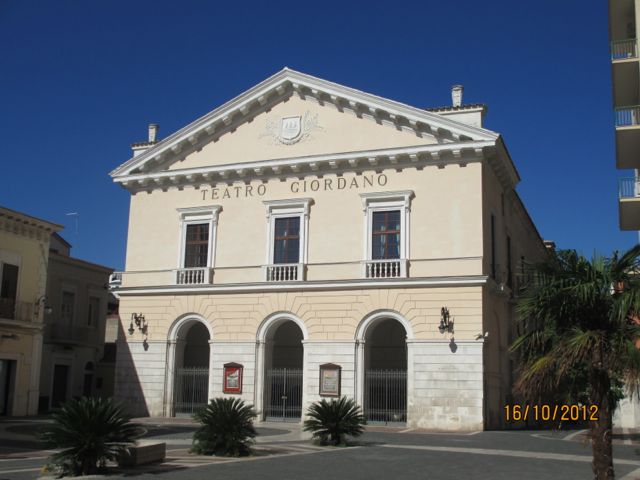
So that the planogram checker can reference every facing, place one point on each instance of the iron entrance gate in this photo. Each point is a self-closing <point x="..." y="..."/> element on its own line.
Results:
<point x="283" y="394"/>
<point x="191" y="389"/>
<point x="385" y="396"/>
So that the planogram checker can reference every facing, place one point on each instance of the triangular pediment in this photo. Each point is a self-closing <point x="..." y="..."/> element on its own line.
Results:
<point x="292" y="116"/>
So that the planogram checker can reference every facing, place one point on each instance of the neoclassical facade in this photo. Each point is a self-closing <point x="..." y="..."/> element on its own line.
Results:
<point x="308" y="240"/>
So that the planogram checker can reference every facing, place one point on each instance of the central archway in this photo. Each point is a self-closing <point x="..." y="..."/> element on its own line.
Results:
<point x="282" y="339"/>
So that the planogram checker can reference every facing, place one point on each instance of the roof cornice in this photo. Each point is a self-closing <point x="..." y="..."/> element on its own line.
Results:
<point x="283" y="84"/>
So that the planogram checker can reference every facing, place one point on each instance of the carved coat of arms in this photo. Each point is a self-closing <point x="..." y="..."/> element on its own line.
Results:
<point x="290" y="130"/>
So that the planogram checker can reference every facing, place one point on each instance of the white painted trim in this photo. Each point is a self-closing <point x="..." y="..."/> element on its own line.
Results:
<point x="379" y="315"/>
<point x="476" y="280"/>
<point x="295" y="207"/>
<point x="388" y="201"/>
<point x="276" y="319"/>
<point x="195" y="216"/>
<point x="437" y="148"/>
<point x="183" y="320"/>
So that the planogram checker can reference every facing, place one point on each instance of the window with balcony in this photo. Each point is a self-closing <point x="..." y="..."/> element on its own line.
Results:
<point x="8" y="290"/>
<point x="197" y="252"/>
<point x="288" y="224"/>
<point x="386" y="217"/>
<point x="67" y="308"/>
<point x="93" y="312"/>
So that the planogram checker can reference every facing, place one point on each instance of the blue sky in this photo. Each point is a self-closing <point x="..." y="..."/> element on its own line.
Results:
<point x="80" y="81"/>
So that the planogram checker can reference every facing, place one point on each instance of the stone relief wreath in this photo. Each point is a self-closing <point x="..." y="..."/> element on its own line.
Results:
<point x="291" y="130"/>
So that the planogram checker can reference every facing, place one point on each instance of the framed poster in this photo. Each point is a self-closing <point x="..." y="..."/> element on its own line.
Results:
<point x="330" y="380"/>
<point x="232" y="378"/>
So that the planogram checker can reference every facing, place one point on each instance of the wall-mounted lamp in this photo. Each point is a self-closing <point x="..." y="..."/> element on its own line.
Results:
<point x="446" y="324"/>
<point x="140" y="323"/>
<point x="42" y="300"/>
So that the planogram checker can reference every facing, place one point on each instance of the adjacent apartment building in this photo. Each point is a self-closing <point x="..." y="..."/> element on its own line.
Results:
<point x="74" y="334"/>
<point x="24" y="254"/>
<point x="625" y="66"/>
<point x="308" y="240"/>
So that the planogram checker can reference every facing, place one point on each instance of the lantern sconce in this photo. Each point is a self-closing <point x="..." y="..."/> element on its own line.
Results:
<point x="140" y="323"/>
<point x="446" y="323"/>
<point x="42" y="300"/>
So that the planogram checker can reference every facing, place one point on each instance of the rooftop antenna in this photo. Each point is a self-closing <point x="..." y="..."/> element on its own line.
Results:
<point x="76" y="215"/>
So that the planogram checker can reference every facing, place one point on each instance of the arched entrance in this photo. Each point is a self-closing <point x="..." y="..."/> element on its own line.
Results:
<point x="190" y="342"/>
<point x="283" y="369"/>
<point x="384" y="369"/>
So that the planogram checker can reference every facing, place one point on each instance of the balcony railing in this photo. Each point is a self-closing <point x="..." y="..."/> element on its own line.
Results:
<point x="12" y="310"/>
<point x="56" y="332"/>
<point x="391" y="268"/>
<point x="623" y="49"/>
<point x="627" y="116"/>
<point x="629" y="187"/>
<point x="194" y="276"/>
<point x="115" y="280"/>
<point x="284" y="272"/>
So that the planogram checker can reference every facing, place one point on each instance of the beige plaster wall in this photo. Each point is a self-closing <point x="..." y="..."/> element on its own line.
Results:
<point x="328" y="315"/>
<point x="334" y="132"/>
<point x="445" y="224"/>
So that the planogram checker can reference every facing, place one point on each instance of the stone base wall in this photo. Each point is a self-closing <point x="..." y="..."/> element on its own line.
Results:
<point x="446" y="385"/>
<point x="141" y="377"/>
<point x="243" y="353"/>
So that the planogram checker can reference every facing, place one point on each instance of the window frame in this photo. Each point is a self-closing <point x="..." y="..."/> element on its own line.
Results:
<point x="386" y="202"/>
<point x="196" y="216"/>
<point x="286" y="209"/>
<point x="15" y="259"/>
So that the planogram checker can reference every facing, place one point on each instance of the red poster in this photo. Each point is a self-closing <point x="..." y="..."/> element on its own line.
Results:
<point x="232" y="378"/>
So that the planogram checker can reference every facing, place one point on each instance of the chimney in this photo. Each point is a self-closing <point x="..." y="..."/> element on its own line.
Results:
<point x="141" y="147"/>
<point x="456" y="95"/>
<point x="153" y="132"/>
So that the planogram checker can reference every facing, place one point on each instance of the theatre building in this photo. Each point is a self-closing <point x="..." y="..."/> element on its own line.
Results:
<point x="307" y="240"/>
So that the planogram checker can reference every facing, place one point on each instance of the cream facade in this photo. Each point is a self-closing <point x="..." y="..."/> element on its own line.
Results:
<point x="24" y="252"/>
<point x="305" y="226"/>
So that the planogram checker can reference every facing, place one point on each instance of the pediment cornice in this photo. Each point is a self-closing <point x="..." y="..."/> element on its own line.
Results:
<point x="319" y="165"/>
<point x="280" y="86"/>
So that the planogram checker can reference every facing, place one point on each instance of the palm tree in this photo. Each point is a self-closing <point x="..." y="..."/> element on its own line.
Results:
<point x="581" y="328"/>
<point x="89" y="431"/>
<point x="331" y="421"/>
<point x="227" y="428"/>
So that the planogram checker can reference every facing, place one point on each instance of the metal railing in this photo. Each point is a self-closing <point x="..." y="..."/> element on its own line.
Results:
<point x="12" y="310"/>
<point x="627" y="116"/>
<point x="115" y="280"/>
<point x="194" y="276"/>
<point x="191" y="389"/>
<point x="283" y="394"/>
<point x="385" y="398"/>
<point x="629" y="187"/>
<point x="56" y="332"/>
<point x="393" y="268"/>
<point x="285" y="272"/>
<point x="622" y="49"/>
